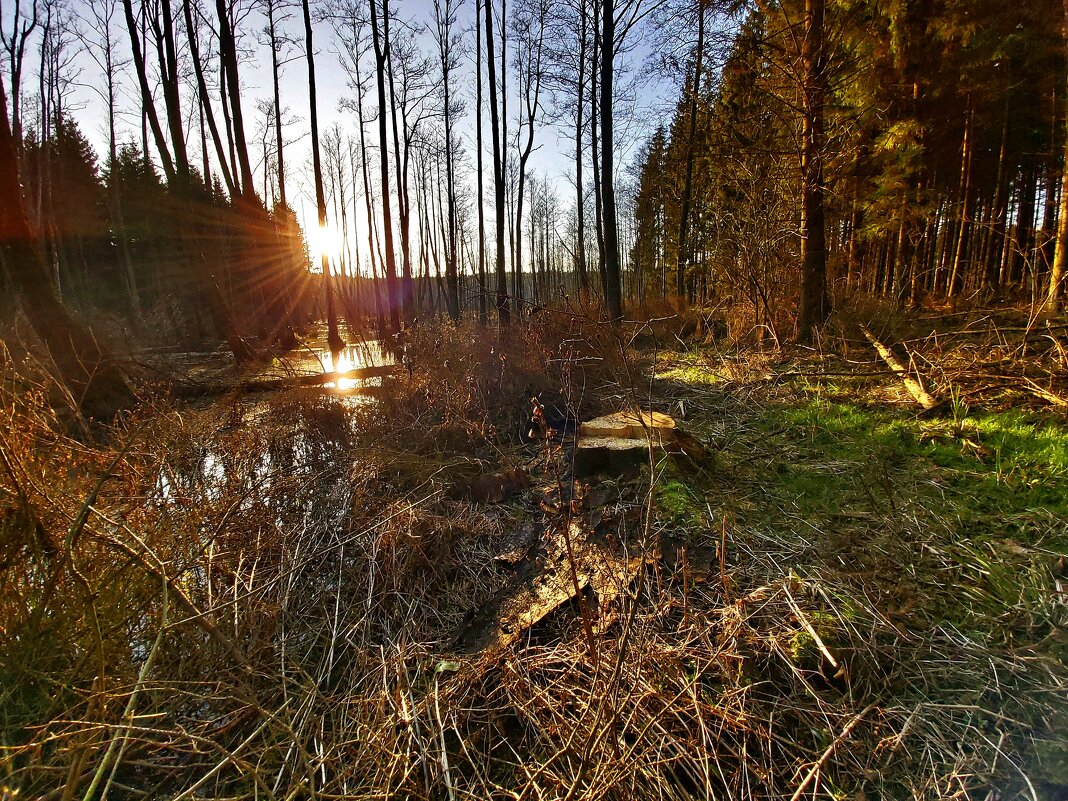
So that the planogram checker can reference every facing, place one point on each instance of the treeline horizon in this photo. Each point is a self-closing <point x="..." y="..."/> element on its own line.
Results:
<point x="818" y="148"/>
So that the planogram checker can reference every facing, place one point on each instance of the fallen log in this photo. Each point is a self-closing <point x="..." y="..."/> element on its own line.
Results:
<point x="556" y="573"/>
<point x="915" y="388"/>
<point x="198" y="390"/>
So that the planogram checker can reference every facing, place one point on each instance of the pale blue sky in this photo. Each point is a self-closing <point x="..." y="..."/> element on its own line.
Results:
<point x="553" y="154"/>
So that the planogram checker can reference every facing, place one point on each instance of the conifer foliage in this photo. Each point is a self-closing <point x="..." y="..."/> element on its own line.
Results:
<point x="937" y="128"/>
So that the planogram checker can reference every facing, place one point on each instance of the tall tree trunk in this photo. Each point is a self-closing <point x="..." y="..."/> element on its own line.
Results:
<point x="15" y="44"/>
<point x="530" y="81"/>
<point x="580" y="201"/>
<point x="687" y="188"/>
<point x="444" y="27"/>
<point x="148" y="106"/>
<point x="1055" y="290"/>
<point x="1025" y="218"/>
<point x="482" y="310"/>
<point x="279" y="144"/>
<point x="594" y="148"/>
<point x="401" y="154"/>
<point x="1000" y="214"/>
<point x="228" y="57"/>
<point x="956" y="276"/>
<point x="813" y="303"/>
<point x="503" y="314"/>
<point x="334" y="340"/>
<point x="168" y="59"/>
<point x="381" y="49"/>
<point x="613" y="279"/>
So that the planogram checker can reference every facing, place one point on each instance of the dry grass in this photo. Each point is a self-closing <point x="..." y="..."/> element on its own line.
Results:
<point x="258" y="599"/>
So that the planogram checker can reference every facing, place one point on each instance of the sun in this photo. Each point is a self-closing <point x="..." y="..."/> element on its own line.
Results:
<point x="324" y="240"/>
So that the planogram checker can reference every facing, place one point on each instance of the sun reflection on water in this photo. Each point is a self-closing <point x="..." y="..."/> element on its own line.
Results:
<point x="352" y="357"/>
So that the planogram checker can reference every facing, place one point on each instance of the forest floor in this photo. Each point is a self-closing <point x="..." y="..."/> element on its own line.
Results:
<point x="294" y="594"/>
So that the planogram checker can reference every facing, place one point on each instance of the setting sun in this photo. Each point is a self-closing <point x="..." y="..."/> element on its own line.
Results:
<point x="324" y="240"/>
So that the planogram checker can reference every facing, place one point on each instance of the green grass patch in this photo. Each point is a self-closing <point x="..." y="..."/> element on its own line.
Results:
<point x="996" y="462"/>
<point x="690" y="374"/>
<point x="679" y="498"/>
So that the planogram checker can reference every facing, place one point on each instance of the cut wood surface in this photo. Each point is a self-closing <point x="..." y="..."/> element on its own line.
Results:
<point x="627" y="425"/>
<point x="915" y="388"/>
<point x="619" y="443"/>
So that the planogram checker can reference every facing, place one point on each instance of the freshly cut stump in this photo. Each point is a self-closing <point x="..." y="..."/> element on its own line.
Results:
<point x="629" y="425"/>
<point x="613" y="455"/>
<point x="618" y="444"/>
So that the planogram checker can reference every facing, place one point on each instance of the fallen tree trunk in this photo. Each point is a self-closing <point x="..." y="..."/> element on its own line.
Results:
<point x="277" y="384"/>
<point x="915" y="388"/>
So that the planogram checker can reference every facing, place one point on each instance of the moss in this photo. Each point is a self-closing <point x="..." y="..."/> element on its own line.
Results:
<point x="802" y="646"/>
<point x="680" y="503"/>
<point x="690" y="374"/>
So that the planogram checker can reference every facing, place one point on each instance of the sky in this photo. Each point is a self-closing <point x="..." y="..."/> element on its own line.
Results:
<point x="653" y="96"/>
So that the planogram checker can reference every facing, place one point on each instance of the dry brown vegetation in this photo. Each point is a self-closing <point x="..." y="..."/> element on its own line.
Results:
<point x="261" y="597"/>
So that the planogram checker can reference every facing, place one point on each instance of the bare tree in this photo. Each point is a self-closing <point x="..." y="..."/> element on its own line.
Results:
<point x="350" y="29"/>
<point x="380" y="41"/>
<point x="530" y="24"/>
<point x="99" y="18"/>
<point x="448" y="42"/>
<point x="162" y="25"/>
<point x="334" y="340"/>
<point x="409" y="87"/>
<point x="503" y="315"/>
<point x="204" y="95"/>
<point x="228" y="59"/>
<point x="148" y="106"/>
<point x="482" y="311"/>
<point x="618" y="20"/>
<point x="613" y="283"/>
<point x="277" y="12"/>
<point x="23" y="24"/>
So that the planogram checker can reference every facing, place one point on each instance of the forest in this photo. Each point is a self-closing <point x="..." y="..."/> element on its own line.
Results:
<point x="474" y="399"/>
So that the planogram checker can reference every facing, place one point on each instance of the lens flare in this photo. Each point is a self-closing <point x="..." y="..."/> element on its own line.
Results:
<point x="324" y="240"/>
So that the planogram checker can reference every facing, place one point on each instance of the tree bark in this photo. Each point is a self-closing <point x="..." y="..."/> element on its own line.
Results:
<point x="482" y="305"/>
<point x="580" y="212"/>
<point x="148" y="106"/>
<point x="381" y="49"/>
<point x="205" y="98"/>
<point x="503" y="313"/>
<point x="530" y="78"/>
<point x="687" y="188"/>
<point x="334" y="340"/>
<point x="813" y="304"/>
<point x="613" y="280"/>
<point x="228" y="56"/>
<point x="444" y="27"/>
<point x="279" y="145"/>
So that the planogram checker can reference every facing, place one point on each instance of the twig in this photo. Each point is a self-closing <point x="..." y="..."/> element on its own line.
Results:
<point x="915" y="388"/>
<point x="816" y="768"/>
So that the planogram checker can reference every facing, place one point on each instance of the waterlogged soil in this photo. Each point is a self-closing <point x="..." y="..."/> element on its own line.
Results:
<point x="312" y="357"/>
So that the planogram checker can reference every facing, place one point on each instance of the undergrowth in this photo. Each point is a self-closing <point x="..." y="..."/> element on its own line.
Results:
<point x="260" y="597"/>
